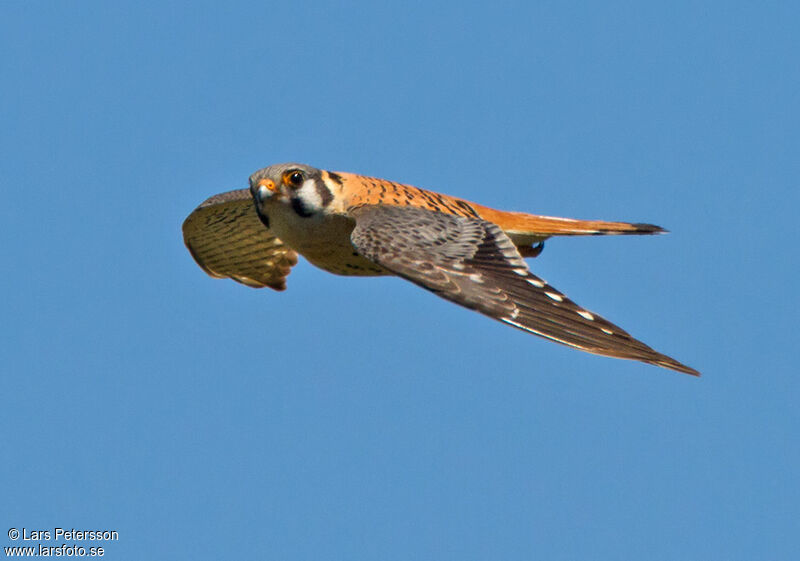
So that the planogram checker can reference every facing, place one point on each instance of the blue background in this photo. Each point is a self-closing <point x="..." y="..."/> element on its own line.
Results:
<point x="365" y="418"/>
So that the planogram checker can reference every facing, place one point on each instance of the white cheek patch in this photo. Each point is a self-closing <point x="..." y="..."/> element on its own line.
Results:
<point x="308" y="193"/>
<point x="310" y="196"/>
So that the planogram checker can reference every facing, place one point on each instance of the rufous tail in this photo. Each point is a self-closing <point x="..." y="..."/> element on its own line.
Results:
<point x="537" y="226"/>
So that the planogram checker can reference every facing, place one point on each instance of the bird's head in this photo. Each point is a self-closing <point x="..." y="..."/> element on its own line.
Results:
<point x="298" y="185"/>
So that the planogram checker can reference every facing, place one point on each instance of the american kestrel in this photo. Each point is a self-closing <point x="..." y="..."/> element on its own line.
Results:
<point x="350" y="224"/>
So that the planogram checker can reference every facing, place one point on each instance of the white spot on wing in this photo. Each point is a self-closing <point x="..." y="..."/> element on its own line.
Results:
<point x="475" y="277"/>
<point x="586" y="315"/>
<point x="554" y="296"/>
<point x="536" y="283"/>
<point x="607" y="331"/>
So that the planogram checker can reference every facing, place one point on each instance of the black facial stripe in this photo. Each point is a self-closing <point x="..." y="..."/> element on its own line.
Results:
<point x="299" y="208"/>
<point x="263" y="217"/>
<point x="335" y="176"/>
<point x="324" y="193"/>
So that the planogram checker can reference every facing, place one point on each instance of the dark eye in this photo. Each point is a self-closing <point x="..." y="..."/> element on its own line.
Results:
<point x="294" y="178"/>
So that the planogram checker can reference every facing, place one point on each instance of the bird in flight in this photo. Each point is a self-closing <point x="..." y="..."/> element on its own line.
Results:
<point x="351" y="224"/>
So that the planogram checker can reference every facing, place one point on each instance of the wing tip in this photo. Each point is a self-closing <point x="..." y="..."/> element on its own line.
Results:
<point x="271" y="270"/>
<point x="678" y="367"/>
<point x="664" y="361"/>
<point x="200" y="262"/>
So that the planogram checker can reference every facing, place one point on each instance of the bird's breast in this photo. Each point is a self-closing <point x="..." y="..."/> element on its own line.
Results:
<point x="323" y="239"/>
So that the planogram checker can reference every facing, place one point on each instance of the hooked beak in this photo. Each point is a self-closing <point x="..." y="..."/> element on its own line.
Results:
<point x="264" y="190"/>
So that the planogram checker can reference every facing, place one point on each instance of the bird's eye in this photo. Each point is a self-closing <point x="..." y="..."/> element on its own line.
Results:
<point x="293" y="178"/>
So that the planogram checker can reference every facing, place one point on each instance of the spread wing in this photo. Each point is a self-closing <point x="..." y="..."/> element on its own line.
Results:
<point x="473" y="263"/>
<point x="227" y="239"/>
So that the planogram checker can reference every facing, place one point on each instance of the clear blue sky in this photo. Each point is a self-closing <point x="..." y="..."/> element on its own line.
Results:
<point x="365" y="418"/>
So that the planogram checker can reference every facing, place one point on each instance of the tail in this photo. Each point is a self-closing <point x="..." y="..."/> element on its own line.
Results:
<point x="528" y="231"/>
<point x="536" y="226"/>
<point x="554" y="226"/>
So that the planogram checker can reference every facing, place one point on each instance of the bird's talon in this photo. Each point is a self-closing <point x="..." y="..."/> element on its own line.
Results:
<point x="531" y="250"/>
